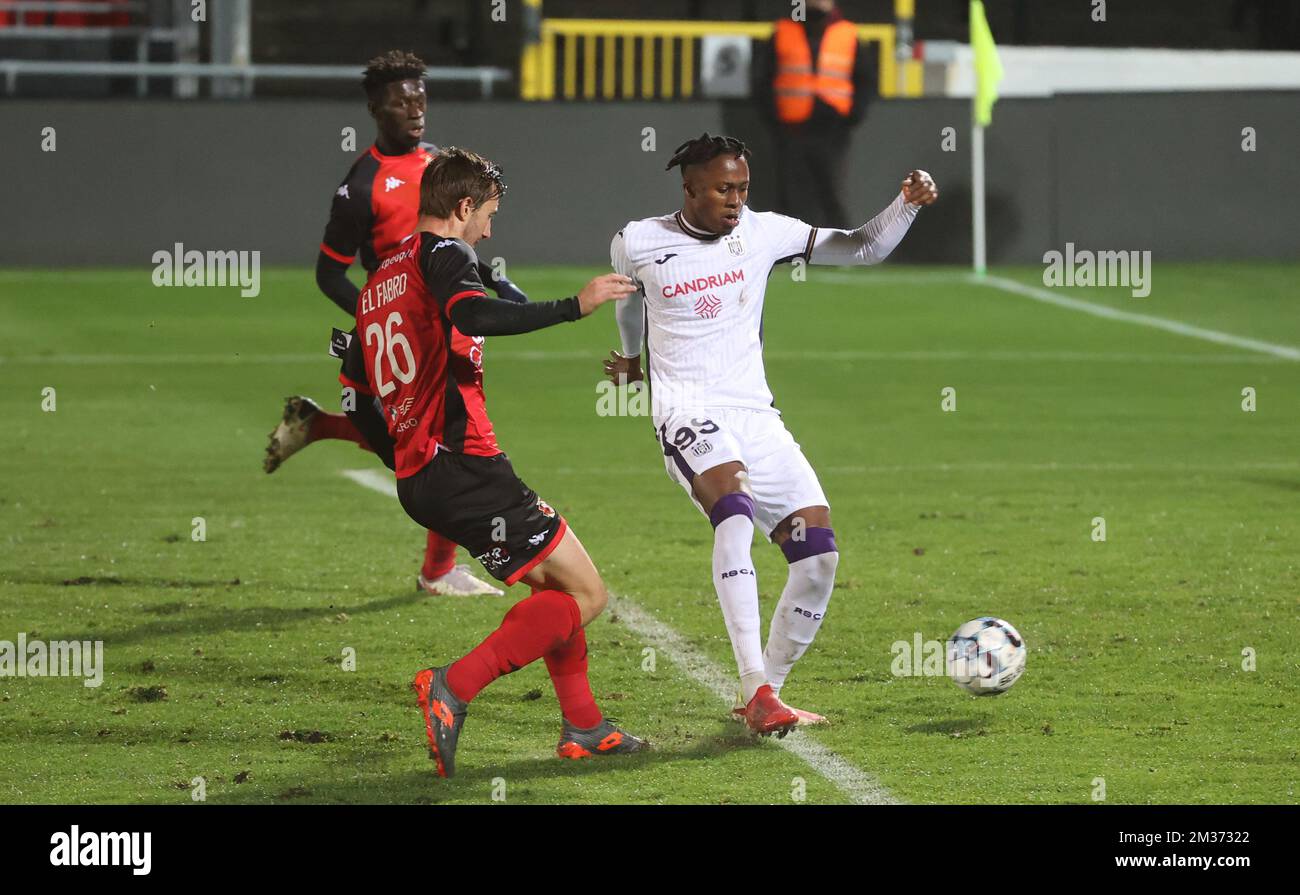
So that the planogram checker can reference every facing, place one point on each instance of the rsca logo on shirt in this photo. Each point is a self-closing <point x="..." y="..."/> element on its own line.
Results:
<point x="77" y="849"/>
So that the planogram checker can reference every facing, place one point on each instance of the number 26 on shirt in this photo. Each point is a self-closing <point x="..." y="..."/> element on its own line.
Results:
<point x="386" y="343"/>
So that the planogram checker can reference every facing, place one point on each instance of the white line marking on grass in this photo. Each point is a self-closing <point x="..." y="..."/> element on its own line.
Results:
<point x="1106" y="357"/>
<point x="1174" y="468"/>
<point x="90" y="360"/>
<point x="577" y="355"/>
<point x="383" y="482"/>
<point x="1287" y="352"/>
<point x="858" y="785"/>
<point x="885" y="278"/>
<point x="848" y="278"/>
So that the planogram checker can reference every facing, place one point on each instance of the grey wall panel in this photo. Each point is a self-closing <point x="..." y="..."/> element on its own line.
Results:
<point x="1166" y="172"/>
<point x="1159" y="172"/>
<point x="897" y="137"/>
<point x="130" y="178"/>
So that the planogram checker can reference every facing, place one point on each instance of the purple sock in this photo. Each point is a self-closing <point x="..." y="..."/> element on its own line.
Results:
<point x="738" y="503"/>
<point x="817" y="541"/>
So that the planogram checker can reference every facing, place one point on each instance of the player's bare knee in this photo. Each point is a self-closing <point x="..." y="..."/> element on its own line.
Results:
<point x="592" y="598"/>
<point x="741" y="482"/>
<point x="584" y="584"/>
<point x="796" y="525"/>
<point x="716" y="483"/>
<point x="599" y="600"/>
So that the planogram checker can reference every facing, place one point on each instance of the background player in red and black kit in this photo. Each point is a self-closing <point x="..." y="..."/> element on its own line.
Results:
<point x="373" y="210"/>
<point x="421" y="322"/>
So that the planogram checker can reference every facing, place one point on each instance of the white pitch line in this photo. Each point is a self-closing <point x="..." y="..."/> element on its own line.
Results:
<point x="383" y="482"/>
<point x="169" y="360"/>
<point x="1287" y="352"/>
<point x="931" y="356"/>
<point x="884" y="278"/>
<point x="859" y="786"/>
<point x="581" y="355"/>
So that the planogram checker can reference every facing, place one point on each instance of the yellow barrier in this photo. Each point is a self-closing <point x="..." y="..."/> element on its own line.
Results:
<point x="664" y="46"/>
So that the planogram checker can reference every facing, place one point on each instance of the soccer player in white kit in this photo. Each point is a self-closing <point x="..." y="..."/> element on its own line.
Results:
<point x="703" y="272"/>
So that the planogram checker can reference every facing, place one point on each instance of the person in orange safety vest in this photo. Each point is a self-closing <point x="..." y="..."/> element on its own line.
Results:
<point x="812" y="82"/>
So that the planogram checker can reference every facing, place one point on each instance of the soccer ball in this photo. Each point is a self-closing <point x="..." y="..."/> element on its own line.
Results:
<point x="986" y="656"/>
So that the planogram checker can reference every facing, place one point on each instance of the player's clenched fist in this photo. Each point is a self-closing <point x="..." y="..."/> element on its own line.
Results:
<point x="919" y="188"/>
<point x="610" y="287"/>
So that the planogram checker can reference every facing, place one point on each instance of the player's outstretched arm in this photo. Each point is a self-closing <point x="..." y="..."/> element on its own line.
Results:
<point x="482" y="316"/>
<point x="877" y="238"/>
<point x="607" y="287"/>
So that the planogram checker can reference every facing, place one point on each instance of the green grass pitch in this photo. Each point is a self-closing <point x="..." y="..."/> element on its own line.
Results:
<point x="224" y="658"/>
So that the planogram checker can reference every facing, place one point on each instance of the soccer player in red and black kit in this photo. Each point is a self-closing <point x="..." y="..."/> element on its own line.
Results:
<point x="373" y="210"/>
<point x="421" y="322"/>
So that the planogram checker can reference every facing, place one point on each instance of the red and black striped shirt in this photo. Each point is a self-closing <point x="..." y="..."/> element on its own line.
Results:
<point x="376" y="206"/>
<point x="427" y="375"/>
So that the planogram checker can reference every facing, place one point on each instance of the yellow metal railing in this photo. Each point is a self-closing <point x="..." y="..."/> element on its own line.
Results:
<point x="584" y="47"/>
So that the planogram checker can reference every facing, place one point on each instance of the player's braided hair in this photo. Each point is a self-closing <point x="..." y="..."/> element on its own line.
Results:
<point x="705" y="148"/>
<point x="395" y="65"/>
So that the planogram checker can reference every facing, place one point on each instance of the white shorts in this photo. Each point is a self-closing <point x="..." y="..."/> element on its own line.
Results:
<point x="780" y="478"/>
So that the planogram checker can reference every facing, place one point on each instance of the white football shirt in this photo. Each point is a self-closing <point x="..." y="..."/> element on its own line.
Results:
<point x="703" y="303"/>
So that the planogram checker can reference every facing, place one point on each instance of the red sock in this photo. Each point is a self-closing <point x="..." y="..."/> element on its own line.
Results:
<point x="334" y="425"/>
<point x="439" y="556"/>
<point x="568" y="669"/>
<point x="532" y="628"/>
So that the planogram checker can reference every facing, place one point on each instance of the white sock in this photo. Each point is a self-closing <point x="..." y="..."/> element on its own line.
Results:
<point x="737" y="586"/>
<point x="798" y="614"/>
